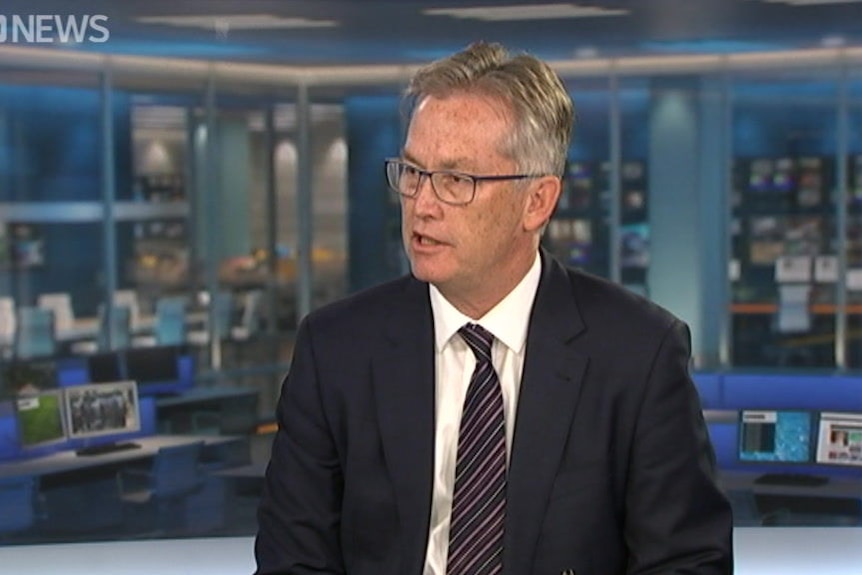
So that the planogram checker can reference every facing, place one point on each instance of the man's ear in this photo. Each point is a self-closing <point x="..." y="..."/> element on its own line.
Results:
<point x="543" y="195"/>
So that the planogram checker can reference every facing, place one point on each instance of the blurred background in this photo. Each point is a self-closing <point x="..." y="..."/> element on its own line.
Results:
<point x="182" y="181"/>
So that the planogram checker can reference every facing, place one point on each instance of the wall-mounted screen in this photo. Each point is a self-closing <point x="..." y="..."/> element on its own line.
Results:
<point x="40" y="419"/>
<point x="776" y="435"/>
<point x="102" y="409"/>
<point x="839" y="441"/>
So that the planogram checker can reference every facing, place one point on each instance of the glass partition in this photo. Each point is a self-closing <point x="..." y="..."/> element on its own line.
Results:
<point x="853" y="279"/>
<point x="783" y="282"/>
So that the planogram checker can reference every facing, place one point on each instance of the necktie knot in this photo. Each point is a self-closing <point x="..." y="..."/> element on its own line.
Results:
<point x="478" y="339"/>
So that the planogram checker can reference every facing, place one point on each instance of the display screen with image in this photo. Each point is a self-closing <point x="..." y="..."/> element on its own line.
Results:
<point x="840" y="439"/>
<point x="776" y="435"/>
<point x="102" y="409"/>
<point x="40" y="419"/>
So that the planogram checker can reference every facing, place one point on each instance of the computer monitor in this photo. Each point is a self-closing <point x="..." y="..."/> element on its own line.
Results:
<point x="781" y="436"/>
<point x="105" y="367"/>
<point x="152" y="364"/>
<point x="40" y="419"/>
<point x="102" y="409"/>
<point x="839" y="441"/>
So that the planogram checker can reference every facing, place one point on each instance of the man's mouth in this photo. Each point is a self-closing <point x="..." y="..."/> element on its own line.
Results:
<point x="425" y="240"/>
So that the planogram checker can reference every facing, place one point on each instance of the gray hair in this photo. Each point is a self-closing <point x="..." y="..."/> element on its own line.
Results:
<point x="543" y="113"/>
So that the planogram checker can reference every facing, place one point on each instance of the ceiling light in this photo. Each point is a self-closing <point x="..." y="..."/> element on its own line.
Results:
<point x="237" y="22"/>
<point x="833" y="41"/>
<point x="524" y="12"/>
<point x="810" y="2"/>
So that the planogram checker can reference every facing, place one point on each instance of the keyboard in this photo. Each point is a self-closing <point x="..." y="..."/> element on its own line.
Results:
<point x="106" y="448"/>
<point x="791" y="479"/>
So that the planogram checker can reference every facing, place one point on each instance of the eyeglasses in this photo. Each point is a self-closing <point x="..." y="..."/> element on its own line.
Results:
<point x="450" y="187"/>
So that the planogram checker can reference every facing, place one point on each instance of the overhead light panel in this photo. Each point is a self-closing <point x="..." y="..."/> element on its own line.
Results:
<point x="237" y="22"/>
<point x="811" y="2"/>
<point x="525" y="12"/>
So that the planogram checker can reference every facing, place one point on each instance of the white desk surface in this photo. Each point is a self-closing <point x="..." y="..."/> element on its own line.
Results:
<point x="203" y="394"/>
<point x="66" y="460"/>
<point x="758" y="551"/>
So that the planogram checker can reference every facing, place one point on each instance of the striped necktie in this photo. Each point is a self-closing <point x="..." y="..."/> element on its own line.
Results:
<point x="479" y="498"/>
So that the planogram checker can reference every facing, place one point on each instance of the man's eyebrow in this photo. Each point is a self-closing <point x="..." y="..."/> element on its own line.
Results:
<point x="455" y="165"/>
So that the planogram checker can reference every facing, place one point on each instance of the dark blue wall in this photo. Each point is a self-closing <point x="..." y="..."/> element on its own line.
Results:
<point x="373" y="134"/>
<point x="50" y="151"/>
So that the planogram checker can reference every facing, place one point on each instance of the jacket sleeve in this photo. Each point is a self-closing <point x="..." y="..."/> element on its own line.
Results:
<point x="299" y="514"/>
<point x="677" y="520"/>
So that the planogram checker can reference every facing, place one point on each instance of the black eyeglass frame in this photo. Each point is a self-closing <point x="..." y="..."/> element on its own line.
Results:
<point x="430" y="175"/>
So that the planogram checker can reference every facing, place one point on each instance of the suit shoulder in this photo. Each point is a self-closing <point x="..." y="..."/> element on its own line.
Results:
<point x="603" y="301"/>
<point x="364" y="308"/>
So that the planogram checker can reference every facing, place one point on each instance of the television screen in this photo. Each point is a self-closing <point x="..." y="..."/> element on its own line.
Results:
<point x="102" y="409"/>
<point x="775" y="435"/>
<point x="40" y="419"/>
<point x="26" y="246"/>
<point x="840" y="439"/>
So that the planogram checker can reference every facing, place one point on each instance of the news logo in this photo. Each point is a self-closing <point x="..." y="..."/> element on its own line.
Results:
<point x="53" y="29"/>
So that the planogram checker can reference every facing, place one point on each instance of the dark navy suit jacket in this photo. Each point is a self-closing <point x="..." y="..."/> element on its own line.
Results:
<point x="611" y="470"/>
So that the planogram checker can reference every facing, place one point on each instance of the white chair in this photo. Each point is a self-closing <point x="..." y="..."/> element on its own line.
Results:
<point x="61" y="304"/>
<point x="129" y="299"/>
<point x="249" y="322"/>
<point x="8" y="324"/>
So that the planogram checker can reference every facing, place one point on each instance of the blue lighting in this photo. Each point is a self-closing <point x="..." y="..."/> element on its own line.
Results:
<point x="710" y="47"/>
<point x="177" y="49"/>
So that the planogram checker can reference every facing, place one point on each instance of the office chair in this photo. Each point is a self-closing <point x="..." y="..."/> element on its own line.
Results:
<point x="223" y="304"/>
<point x="35" y="335"/>
<point x="249" y="323"/>
<point x="18" y="496"/>
<point x="61" y="305"/>
<point x="158" y="494"/>
<point x="170" y="327"/>
<point x="129" y="298"/>
<point x="171" y="320"/>
<point x="7" y="326"/>
<point x="121" y="328"/>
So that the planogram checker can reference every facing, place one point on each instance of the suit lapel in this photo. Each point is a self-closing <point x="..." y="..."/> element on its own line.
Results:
<point x="550" y="387"/>
<point x="403" y="380"/>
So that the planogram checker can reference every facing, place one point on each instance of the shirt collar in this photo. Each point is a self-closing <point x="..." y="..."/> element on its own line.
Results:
<point x="508" y="320"/>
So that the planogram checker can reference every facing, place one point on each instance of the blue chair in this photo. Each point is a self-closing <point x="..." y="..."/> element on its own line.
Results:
<point x="171" y="320"/>
<point x="158" y="494"/>
<point x="17" y="504"/>
<point x="35" y="335"/>
<point x="121" y="327"/>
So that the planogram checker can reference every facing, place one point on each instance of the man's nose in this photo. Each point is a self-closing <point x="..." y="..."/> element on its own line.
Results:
<point x="425" y="198"/>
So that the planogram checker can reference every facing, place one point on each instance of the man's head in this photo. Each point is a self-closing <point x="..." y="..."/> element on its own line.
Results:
<point x="481" y="113"/>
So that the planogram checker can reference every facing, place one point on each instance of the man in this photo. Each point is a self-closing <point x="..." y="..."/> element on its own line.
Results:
<point x="561" y="435"/>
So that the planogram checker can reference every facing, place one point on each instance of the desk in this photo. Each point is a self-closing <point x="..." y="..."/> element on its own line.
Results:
<point x="836" y="502"/>
<point x="222" y="409"/>
<point x="836" y="487"/>
<point x="67" y="463"/>
<point x="82" y="328"/>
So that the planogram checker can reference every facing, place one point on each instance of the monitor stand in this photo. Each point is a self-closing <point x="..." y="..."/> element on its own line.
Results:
<point x="791" y="479"/>
<point x="104" y="448"/>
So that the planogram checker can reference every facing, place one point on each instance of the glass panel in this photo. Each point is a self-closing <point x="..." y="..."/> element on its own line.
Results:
<point x="579" y="233"/>
<point x="854" y="223"/>
<point x="784" y="143"/>
<point x="634" y="185"/>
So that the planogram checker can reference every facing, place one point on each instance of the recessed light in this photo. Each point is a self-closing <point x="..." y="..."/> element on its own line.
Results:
<point x="525" y="12"/>
<point x="224" y="22"/>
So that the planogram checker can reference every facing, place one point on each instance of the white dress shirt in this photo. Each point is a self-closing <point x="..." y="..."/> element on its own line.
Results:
<point x="454" y="362"/>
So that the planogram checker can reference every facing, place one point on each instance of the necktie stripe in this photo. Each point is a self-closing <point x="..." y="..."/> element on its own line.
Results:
<point x="479" y="499"/>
